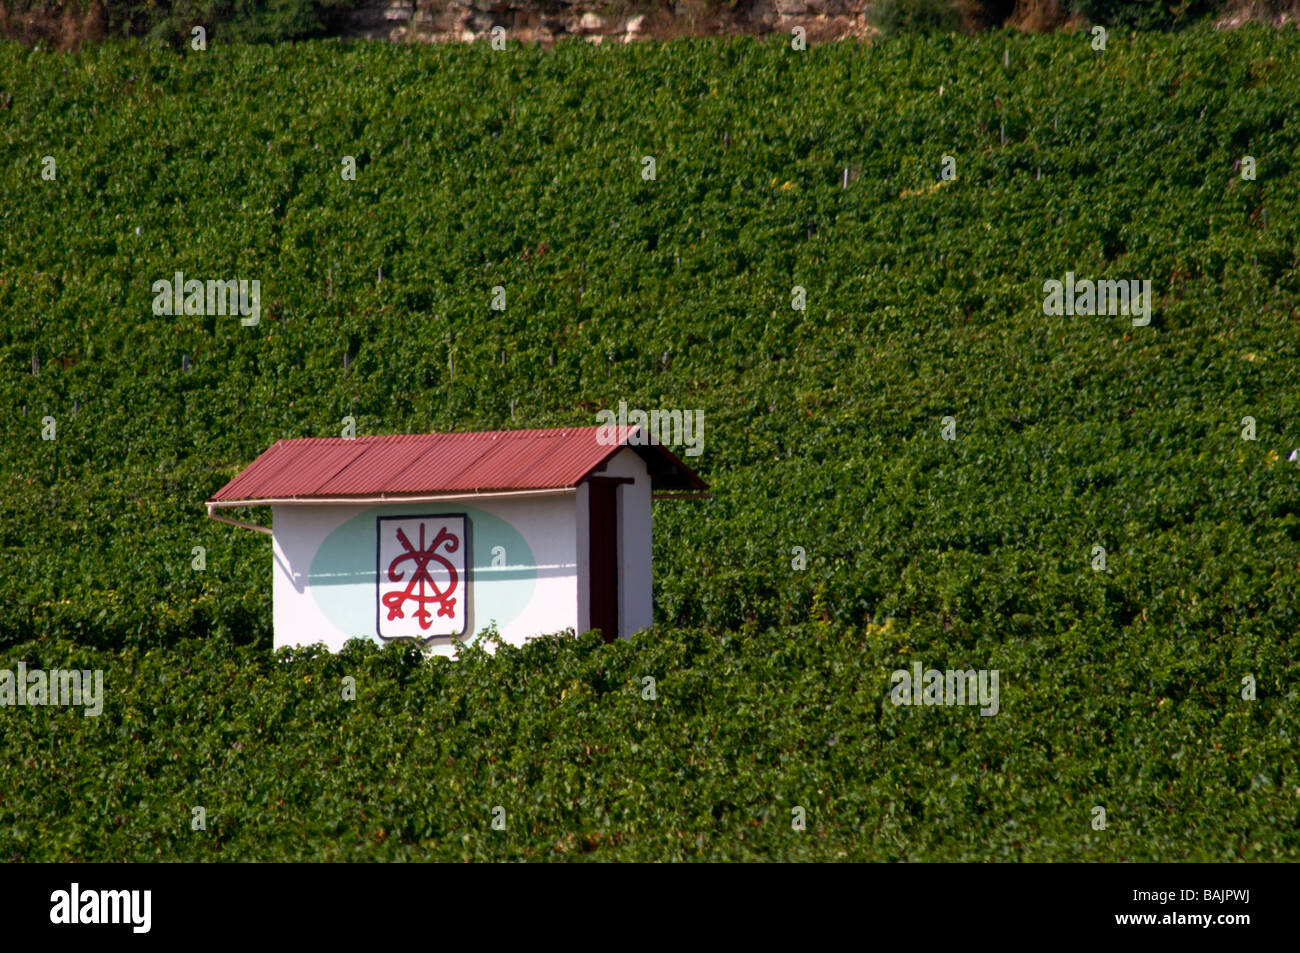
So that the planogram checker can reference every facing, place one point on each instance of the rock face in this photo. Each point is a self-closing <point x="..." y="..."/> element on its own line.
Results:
<point x="597" y="21"/>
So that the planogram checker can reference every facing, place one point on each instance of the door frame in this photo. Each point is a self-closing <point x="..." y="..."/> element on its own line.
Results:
<point x="604" y="554"/>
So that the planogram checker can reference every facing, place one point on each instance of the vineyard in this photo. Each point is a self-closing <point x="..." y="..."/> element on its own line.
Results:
<point x="918" y="464"/>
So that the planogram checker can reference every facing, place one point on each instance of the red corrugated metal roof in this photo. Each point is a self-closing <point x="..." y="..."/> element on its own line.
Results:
<point x="435" y="463"/>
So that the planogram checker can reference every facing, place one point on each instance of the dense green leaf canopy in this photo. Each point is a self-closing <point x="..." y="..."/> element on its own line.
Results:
<point x="523" y="169"/>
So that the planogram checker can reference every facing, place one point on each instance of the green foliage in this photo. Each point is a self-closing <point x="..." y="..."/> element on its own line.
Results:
<point x="916" y="16"/>
<point x="822" y="431"/>
<point x="744" y="727"/>
<point x="258" y="21"/>
<point x="1147" y="14"/>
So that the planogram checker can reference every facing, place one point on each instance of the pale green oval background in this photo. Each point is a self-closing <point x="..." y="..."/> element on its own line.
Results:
<point x="342" y="574"/>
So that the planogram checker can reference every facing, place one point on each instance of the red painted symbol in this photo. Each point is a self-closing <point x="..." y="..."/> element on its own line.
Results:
<point x="422" y="588"/>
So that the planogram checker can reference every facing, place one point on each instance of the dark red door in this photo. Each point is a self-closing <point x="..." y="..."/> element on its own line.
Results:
<point x="603" y="527"/>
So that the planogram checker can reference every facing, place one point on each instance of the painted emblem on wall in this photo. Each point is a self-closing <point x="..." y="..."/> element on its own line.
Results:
<point x="422" y="585"/>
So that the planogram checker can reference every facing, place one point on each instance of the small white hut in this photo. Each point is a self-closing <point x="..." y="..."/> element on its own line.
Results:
<point x="434" y="537"/>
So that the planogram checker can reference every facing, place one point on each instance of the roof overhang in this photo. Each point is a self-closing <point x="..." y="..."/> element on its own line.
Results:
<point x="387" y="498"/>
<point x="668" y="475"/>
<point x="467" y="466"/>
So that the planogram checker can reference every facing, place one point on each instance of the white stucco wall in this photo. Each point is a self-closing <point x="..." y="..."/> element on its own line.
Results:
<point x="324" y="568"/>
<point x="324" y="563"/>
<point x="636" y="592"/>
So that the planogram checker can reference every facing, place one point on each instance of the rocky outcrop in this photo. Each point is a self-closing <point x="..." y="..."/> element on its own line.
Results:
<point x="545" y="21"/>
